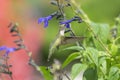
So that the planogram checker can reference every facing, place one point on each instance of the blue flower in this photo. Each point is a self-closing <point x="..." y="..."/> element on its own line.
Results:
<point x="45" y="20"/>
<point x="67" y="22"/>
<point x="67" y="25"/>
<point x="8" y="50"/>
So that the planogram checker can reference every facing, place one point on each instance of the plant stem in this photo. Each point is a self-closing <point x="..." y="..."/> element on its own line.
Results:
<point x="88" y="23"/>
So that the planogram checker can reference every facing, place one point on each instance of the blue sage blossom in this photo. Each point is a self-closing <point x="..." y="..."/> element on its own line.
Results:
<point x="67" y="22"/>
<point x="8" y="50"/>
<point x="46" y="19"/>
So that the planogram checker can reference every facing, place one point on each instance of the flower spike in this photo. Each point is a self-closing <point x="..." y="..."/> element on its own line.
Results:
<point x="67" y="22"/>
<point x="8" y="50"/>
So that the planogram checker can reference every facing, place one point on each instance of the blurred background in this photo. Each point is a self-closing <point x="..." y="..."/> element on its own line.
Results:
<point x="27" y="12"/>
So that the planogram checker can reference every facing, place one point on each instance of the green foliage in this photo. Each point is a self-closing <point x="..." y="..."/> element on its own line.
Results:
<point x="90" y="74"/>
<point x="101" y="31"/>
<point x="47" y="75"/>
<point x="92" y="56"/>
<point x="70" y="58"/>
<point x="77" y="68"/>
<point x="100" y="59"/>
<point x="114" y="73"/>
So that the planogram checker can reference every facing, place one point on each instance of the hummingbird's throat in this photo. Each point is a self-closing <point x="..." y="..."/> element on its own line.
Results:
<point x="62" y="32"/>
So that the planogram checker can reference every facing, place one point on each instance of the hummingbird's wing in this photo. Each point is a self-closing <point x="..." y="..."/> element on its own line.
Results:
<point x="73" y="39"/>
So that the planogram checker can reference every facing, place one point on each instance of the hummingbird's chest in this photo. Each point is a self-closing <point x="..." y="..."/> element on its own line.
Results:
<point x="58" y="41"/>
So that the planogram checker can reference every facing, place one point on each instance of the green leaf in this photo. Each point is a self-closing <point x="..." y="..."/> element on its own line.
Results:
<point x="104" y="32"/>
<point x="114" y="49"/>
<point x="78" y="48"/>
<point x="90" y="74"/>
<point x="77" y="68"/>
<point x="103" y="63"/>
<point x="101" y="31"/>
<point x="92" y="55"/>
<point x="104" y="67"/>
<point x="70" y="58"/>
<point x="95" y="27"/>
<point x="114" y="73"/>
<point x="46" y="74"/>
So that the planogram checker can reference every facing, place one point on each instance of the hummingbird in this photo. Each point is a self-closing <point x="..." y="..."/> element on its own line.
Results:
<point x="61" y="39"/>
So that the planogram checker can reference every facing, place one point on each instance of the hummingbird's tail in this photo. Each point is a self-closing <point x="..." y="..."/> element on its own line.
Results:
<point x="51" y="51"/>
<point x="49" y="57"/>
